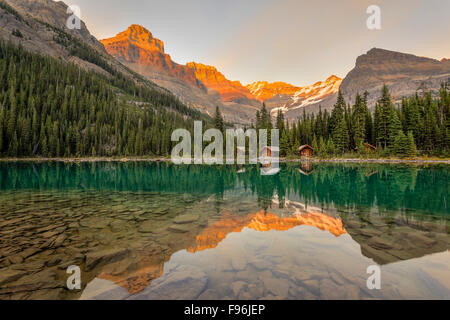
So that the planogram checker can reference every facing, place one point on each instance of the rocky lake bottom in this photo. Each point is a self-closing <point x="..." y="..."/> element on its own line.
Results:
<point x="235" y="244"/>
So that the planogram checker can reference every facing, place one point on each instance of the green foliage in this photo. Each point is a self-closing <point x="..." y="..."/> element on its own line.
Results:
<point x="49" y="108"/>
<point x="421" y="122"/>
<point x="400" y="144"/>
<point x="218" y="120"/>
<point x="411" y="149"/>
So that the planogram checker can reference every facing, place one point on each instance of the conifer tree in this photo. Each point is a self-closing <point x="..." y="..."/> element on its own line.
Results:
<point x="383" y="115"/>
<point x="411" y="150"/>
<point x="341" y="136"/>
<point x="218" y="120"/>
<point x="394" y="127"/>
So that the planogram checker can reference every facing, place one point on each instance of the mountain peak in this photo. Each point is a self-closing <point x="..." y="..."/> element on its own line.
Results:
<point x="138" y="36"/>
<point x="333" y="78"/>
<point x="375" y="56"/>
<point x="201" y="66"/>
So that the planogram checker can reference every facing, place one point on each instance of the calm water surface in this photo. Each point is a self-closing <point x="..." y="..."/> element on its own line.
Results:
<point x="159" y="231"/>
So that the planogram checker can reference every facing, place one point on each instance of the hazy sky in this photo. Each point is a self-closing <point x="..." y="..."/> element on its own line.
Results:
<point x="295" y="41"/>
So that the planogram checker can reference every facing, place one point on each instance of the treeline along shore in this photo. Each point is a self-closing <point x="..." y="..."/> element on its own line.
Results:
<point x="54" y="110"/>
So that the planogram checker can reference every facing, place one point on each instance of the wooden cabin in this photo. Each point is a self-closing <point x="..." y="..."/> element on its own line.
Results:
<point x="306" y="151"/>
<point x="369" y="148"/>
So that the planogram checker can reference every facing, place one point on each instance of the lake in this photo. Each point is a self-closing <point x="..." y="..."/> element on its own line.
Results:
<point x="141" y="230"/>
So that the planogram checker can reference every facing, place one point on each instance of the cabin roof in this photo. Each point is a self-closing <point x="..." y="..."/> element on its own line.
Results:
<point x="306" y="146"/>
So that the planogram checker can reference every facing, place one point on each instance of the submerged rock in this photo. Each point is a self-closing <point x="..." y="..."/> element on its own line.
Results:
<point x="186" y="218"/>
<point x="97" y="258"/>
<point x="9" y="275"/>
<point x="181" y="283"/>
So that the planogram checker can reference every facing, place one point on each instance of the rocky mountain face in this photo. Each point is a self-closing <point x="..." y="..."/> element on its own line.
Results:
<point x="404" y="74"/>
<point x="263" y="90"/>
<point x="42" y="26"/>
<point x="55" y="14"/>
<point x="289" y="99"/>
<point x="203" y="87"/>
<point x="213" y="79"/>
<point x="136" y="45"/>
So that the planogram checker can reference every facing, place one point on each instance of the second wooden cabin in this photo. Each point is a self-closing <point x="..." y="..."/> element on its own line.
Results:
<point x="306" y="151"/>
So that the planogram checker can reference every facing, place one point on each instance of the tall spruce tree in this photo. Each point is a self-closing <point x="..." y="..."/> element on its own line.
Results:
<point x="218" y="120"/>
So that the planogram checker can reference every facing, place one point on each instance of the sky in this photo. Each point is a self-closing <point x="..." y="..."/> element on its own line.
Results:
<point x="295" y="41"/>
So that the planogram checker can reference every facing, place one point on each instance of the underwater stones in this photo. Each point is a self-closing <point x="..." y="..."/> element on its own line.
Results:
<point x="274" y="285"/>
<point x="10" y="275"/>
<point x="118" y="226"/>
<point x="28" y="267"/>
<point x="209" y="294"/>
<point x="179" y="228"/>
<point x="53" y="261"/>
<point x="9" y="223"/>
<point x="45" y="276"/>
<point x="312" y="286"/>
<point x="58" y="241"/>
<point x="29" y="252"/>
<point x="147" y="227"/>
<point x="244" y="275"/>
<point x="34" y="291"/>
<point x="258" y="263"/>
<point x="15" y="259"/>
<point x="329" y="290"/>
<point x="379" y="256"/>
<point x="256" y="291"/>
<point x="238" y="263"/>
<point x="282" y="271"/>
<point x="96" y="222"/>
<point x="380" y="243"/>
<point x="98" y="258"/>
<point x="186" y="218"/>
<point x="421" y="240"/>
<point x="237" y="287"/>
<point x="181" y="283"/>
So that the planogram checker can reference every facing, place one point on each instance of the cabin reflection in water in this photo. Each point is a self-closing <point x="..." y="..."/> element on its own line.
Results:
<point x="306" y="168"/>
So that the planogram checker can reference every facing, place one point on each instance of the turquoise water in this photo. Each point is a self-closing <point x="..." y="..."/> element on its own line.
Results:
<point x="140" y="230"/>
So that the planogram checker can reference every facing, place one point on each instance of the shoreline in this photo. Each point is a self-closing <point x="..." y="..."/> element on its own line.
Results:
<point x="282" y="160"/>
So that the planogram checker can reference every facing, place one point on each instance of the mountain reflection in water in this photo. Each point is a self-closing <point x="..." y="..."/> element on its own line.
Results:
<point x="158" y="231"/>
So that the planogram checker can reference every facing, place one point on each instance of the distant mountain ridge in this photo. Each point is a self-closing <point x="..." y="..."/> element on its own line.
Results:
<point x="289" y="97"/>
<point x="137" y="45"/>
<point x="403" y="73"/>
<point x="136" y="52"/>
<point x="200" y="86"/>
<point x="204" y="86"/>
<point x="213" y="79"/>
